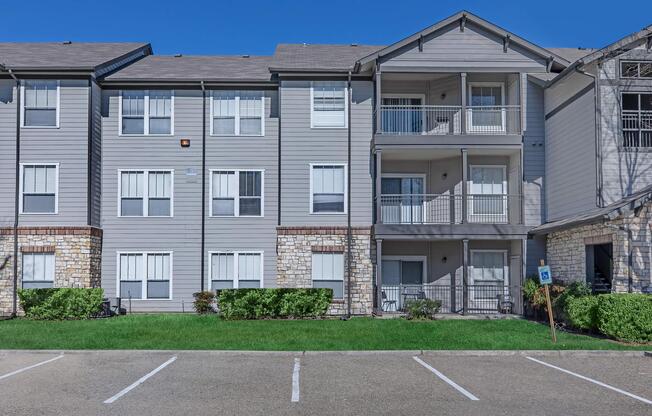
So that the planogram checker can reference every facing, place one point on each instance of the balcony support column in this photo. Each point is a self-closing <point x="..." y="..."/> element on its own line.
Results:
<point x="465" y="276"/>
<point x="379" y="101"/>
<point x="523" y="101"/>
<point x="463" y="102"/>
<point x="378" y="189"/>
<point x="521" y="189"/>
<point x="465" y="174"/>
<point x="379" y="276"/>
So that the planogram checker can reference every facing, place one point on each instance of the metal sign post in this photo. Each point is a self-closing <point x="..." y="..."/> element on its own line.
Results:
<point x="545" y="278"/>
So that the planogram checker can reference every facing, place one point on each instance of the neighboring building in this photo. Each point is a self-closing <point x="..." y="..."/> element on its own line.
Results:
<point x="433" y="167"/>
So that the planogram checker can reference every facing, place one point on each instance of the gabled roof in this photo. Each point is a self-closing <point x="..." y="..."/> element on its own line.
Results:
<point x="618" y="46"/>
<point x="66" y="56"/>
<point x="469" y="17"/>
<point x="196" y="68"/>
<point x="330" y="58"/>
<point x="572" y="54"/>
<point x="617" y="209"/>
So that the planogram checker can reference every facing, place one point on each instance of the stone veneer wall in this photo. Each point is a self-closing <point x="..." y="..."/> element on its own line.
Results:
<point x="77" y="262"/>
<point x="566" y="250"/>
<point x="295" y="246"/>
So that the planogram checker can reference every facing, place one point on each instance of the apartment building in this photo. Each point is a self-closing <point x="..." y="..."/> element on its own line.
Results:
<point x="444" y="166"/>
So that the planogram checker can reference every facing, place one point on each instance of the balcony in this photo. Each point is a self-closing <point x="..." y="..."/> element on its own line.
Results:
<point x="441" y="120"/>
<point x="424" y="209"/>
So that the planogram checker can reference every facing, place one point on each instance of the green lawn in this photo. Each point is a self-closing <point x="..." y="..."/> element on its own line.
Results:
<point x="176" y="331"/>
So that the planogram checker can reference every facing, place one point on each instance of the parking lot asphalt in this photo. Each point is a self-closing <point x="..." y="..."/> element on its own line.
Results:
<point x="145" y="383"/>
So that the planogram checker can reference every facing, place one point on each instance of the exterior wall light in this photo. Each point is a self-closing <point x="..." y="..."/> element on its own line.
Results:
<point x="184" y="142"/>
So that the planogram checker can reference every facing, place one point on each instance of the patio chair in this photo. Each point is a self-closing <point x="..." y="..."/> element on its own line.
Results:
<point x="505" y="303"/>
<point x="387" y="302"/>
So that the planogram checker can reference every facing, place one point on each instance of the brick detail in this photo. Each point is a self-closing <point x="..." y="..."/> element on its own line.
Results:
<point x="328" y="249"/>
<point x="566" y="250"/>
<point x="295" y="246"/>
<point x="77" y="250"/>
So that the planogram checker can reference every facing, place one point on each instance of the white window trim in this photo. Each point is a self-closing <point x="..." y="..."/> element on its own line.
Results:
<point x="22" y="105"/>
<point x="312" y="281"/>
<point x="469" y="111"/>
<point x="312" y="108"/>
<point x="346" y="187"/>
<point x="145" y="193"/>
<point x="56" y="188"/>
<point x="235" y="253"/>
<point x="236" y="202"/>
<point x="632" y="61"/>
<point x="505" y="192"/>
<point x="22" y="264"/>
<point x="146" y="116"/>
<point x="423" y="259"/>
<point x="505" y="263"/>
<point x="145" y="263"/>
<point x="237" y="116"/>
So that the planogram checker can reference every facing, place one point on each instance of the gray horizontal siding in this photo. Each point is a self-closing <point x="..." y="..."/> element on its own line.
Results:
<point x="534" y="157"/>
<point x="7" y="151"/>
<point x="302" y="145"/>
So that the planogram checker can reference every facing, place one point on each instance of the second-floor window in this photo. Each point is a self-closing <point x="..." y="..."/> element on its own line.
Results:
<point x="328" y="189"/>
<point x="146" y="112"/>
<point x="328" y="104"/>
<point x="237" y="193"/>
<point x="637" y="120"/>
<point x="41" y="103"/>
<point x="40" y="185"/>
<point x="636" y="70"/>
<point x="146" y="193"/>
<point x="237" y="113"/>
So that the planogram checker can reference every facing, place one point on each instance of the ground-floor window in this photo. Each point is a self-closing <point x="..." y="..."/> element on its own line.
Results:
<point x="489" y="271"/>
<point x="38" y="270"/>
<point x="328" y="272"/>
<point x="236" y="269"/>
<point x="145" y="275"/>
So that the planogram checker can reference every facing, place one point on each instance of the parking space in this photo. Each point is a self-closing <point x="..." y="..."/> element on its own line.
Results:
<point x="208" y="383"/>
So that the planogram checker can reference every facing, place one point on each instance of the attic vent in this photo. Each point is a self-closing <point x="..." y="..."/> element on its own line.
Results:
<point x="67" y="42"/>
<point x="178" y="55"/>
<point x="354" y="44"/>
<point x="245" y="56"/>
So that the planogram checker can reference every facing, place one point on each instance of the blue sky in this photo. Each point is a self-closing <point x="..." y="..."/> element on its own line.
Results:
<point x="254" y="27"/>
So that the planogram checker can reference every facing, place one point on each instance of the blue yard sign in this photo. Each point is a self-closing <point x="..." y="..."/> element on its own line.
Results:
<point x="545" y="277"/>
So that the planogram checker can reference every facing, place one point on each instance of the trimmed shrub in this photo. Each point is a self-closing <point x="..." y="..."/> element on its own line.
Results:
<point x="626" y="316"/>
<point x="61" y="303"/>
<point x="273" y="303"/>
<point x="582" y="312"/>
<point x="204" y="302"/>
<point x="422" y="308"/>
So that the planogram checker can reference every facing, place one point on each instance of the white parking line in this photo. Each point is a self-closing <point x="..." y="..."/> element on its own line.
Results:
<point x="446" y="379"/>
<point x="599" y="383"/>
<point x="295" y="380"/>
<point x="30" y="367"/>
<point x="140" y="380"/>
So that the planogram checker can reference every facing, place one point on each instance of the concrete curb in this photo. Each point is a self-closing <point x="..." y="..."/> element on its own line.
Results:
<point x="433" y="353"/>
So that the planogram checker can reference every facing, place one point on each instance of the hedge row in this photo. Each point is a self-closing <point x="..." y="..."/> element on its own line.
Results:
<point x="273" y="303"/>
<point x="61" y="303"/>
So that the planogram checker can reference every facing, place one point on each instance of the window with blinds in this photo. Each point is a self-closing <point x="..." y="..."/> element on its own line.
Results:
<point x="146" y="193"/>
<point x="328" y="272"/>
<point x="38" y="270"/>
<point x="237" y="113"/>
<point x="39" y="189"/>
<point x="236" y="193"/>
<point x="40" y="103"/>
<point x="328" y="188"/>
<point x="329" y="103"/>
<point x="145" y="275"/>
<point x="238" y="269"/>
<point x="148" y="112"/>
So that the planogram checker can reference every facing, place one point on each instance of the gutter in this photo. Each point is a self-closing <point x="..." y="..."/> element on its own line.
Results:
<point x="348" y="196"/>
<point x="203" y="185"/>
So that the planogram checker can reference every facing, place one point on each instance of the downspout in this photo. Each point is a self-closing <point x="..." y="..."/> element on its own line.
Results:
<point x="203" y="183"/>
<point x="598" y="148"/>
<point x="89" y="156"/>
<point x="348" y="196"/>
<point x="16" y="195"/>
<point x="278" y="193"/>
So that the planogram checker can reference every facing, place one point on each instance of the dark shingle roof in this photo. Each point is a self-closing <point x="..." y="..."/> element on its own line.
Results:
<point x="571" y="54"/>
<point x="63" y="55"/>
<point x="309" y="57"/>
<point x="610" y="212"/>
<point x="195" y="68"/>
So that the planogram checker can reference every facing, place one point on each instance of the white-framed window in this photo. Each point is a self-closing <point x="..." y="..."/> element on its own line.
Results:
<point x="144" y="275"/>
<point x="488" y="268"/>
<point x="237" y="193"/>
<point x="486" y="108"/>
<point x="39" y="188"/>
<point x="38" y="270"/>
<point x="488" y="193"/>
<point x="636" y="69"/>
<point x="328" y="272"/>
<point x="145" y="193"/>
<point x="636" y="118"/>
<point x="146" y="112"/>
<point x="237" y="113"/>
<point x="328" y="104"/>
<point x="40" y="102"/>
<point x="235" y="269"/>
<point x="328" y="186"/>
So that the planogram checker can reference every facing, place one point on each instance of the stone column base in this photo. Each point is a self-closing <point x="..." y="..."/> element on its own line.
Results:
<point x="77" y="261"/>
<point x="295" y="246"/>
